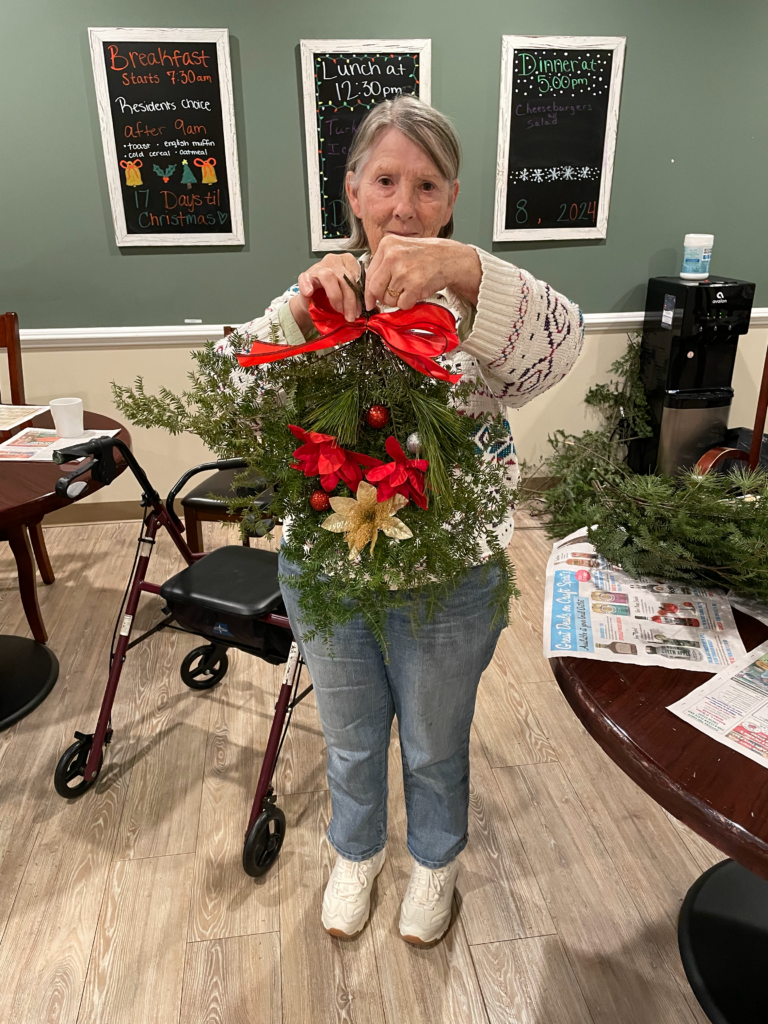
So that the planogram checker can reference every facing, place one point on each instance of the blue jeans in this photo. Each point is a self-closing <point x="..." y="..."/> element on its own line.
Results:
<point x="430" y="683"/>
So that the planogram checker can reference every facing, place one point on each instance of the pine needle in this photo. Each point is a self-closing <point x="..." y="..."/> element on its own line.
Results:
<point x="338" y="416"/>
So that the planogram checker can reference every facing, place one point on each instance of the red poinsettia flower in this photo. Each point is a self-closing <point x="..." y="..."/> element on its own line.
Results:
<point x="322" y="455"/>
<point x="401" y="476"/>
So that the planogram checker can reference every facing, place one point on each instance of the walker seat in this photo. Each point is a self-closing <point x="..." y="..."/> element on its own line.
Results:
<point x="223" y="596"/>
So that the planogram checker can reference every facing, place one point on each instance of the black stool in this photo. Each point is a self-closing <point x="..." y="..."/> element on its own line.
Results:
<point x="199" y="507"/>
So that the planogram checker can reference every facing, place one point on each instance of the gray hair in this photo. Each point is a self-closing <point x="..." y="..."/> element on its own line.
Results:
<point x="420" y="123"/>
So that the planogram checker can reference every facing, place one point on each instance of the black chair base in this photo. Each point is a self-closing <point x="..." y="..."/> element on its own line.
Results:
<point x="723" y="938"/>
<point x="28" y="673"/>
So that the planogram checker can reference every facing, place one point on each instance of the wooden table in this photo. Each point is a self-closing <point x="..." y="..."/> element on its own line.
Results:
<point x="26" y="496"/>
<point x="716" y="791"/>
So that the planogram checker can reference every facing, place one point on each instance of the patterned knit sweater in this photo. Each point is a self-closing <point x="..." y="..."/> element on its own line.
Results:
<point x="519" y="341"/>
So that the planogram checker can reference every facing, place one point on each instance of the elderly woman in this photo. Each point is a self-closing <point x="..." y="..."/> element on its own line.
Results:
<point x="518" y="338"/>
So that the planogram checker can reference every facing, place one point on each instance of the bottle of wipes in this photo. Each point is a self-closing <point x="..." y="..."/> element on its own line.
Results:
<point x="697" y="252"/>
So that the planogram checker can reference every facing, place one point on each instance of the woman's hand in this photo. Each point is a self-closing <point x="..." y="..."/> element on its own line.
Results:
<point x="406" y="270"/>
<point x="328" y="275"/>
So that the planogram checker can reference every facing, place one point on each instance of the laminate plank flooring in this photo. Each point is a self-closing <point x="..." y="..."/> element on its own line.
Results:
<point x="130" y="904"/>
<point x="233" y="981"/>
<point x="137" y="964"/>
<point x="529" y="981"/>
<point x="587" y="897"/>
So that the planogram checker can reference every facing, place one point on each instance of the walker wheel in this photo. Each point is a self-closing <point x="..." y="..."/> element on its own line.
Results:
<point x="204" y="667"/>
<point x="263" y="842"/>
<point x="71" y="767"/>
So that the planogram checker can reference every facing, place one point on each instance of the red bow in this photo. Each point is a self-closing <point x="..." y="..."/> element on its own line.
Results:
<point x="416" y="335"/>
<point x="402" y="476"/>
<point x="322" y="455"/>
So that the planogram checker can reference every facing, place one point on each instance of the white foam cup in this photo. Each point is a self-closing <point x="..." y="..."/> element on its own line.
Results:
<point x="67" y="416"/>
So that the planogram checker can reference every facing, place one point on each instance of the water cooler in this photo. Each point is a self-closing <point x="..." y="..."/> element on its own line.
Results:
<point x="688" y="352"/>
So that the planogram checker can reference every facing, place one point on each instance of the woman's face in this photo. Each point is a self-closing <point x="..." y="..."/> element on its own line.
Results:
<point x="400" y="191"/>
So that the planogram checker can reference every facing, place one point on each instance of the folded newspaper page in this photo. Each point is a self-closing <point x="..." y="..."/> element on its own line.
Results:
<point x="38" y="445"/>
<point x="594" y="610"/>
<point x="732" y="707"/>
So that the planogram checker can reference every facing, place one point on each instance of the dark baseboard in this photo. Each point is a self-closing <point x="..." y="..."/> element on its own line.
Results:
<point x="82" y="513"/>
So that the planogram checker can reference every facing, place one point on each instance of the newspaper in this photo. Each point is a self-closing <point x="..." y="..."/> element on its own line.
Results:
<point x="38" y="445"/>
<point x="14" y="415"/>
<point x="594" y="610"/>
<point x="732" y="707"/>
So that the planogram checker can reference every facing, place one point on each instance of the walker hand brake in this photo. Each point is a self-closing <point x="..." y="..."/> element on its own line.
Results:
<point x="65" y="487"/>
<point x="101" y="467"/>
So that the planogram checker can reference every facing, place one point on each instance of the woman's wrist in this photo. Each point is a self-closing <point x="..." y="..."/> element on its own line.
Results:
<point x="465" y="271"/>
<point x="300" y="314"/>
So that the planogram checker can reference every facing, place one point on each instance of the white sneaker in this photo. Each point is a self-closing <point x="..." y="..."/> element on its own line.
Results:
<point x="426" y="910"/>
<point x="347" y="899"/>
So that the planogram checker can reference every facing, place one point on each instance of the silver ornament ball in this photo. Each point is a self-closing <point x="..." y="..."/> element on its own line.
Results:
<point x="413" y="443"/>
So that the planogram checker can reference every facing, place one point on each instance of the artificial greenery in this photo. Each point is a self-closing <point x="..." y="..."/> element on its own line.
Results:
<point x="708" y="528"/>
<point x="246" y="413"/>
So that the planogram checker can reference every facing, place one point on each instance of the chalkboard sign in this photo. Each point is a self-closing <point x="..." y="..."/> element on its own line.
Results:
<point x="168" y="130"/>
<point x="343" y="79"/>
<point x="558" y="115"/>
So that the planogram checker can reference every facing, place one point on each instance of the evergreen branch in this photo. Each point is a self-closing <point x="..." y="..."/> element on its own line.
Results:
<point x="338" y="415"/>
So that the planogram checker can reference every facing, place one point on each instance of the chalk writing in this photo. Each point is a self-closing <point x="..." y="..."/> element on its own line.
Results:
<point x="347" y="86"/>
<point x="166" y="105"/>
<point x="557" y="134"/>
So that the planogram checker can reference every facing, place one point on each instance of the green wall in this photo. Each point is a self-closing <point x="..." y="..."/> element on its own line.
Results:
<point x="692" y="152"/>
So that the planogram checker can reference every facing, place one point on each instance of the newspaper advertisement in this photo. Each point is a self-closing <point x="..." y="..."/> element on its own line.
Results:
<point x="594" y="610"/>
<point x="14" y="415"/>
<point x="732" y="707"/>
<point x="38" y="445"/>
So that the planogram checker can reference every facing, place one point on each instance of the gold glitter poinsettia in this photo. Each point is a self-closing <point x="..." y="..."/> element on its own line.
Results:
<point x="361" y="518"/>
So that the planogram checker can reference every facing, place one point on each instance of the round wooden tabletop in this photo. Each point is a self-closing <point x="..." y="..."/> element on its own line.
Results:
<point x="27" y="488"/>
<point x="716" y="791"/>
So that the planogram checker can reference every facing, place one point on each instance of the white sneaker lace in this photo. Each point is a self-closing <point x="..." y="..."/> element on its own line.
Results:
<point x="427" y="885"/>
<point x="350" y="881"/>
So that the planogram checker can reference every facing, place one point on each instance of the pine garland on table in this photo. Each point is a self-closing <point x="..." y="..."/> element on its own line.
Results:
<point x="711" y="528"/>
<point x="386" y="426"/>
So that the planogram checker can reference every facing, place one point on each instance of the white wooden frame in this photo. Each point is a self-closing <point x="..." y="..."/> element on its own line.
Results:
<point x="219" y="36"/>
<point x="509" y="44"/>
<point x="310" y="47"/>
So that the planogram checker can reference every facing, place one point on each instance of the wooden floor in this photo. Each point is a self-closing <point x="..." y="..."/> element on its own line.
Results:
<point x="129" y="906"/>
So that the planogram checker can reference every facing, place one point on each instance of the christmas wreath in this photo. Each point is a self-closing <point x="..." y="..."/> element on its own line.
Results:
<point x="388" y="497"/>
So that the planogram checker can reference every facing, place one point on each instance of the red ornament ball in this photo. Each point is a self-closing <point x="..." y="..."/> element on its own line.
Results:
<point x="377" y="417"/>
<point x="320" y="501"/>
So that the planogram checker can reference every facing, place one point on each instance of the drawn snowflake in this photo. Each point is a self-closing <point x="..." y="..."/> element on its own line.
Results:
<point x="522" y="175"/>
<point x="568" y="173"/>
<point x="554" y="174"/>
<point x="583" y="172"/>
<point x="537" y="175"/>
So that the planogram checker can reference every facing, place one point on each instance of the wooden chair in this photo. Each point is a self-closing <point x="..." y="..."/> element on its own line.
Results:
<point x="10" y="340"/>
<point x="199" y="507"/>
<point x="29" y="532"/>
<point x="715" y="456"/>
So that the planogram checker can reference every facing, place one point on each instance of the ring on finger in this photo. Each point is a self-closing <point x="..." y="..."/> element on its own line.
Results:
<point x="394" y="294"/>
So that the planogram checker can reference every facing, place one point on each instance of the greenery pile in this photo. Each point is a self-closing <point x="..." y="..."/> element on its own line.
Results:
<point x="707" y="528"/>
<point x="247" y="412"/>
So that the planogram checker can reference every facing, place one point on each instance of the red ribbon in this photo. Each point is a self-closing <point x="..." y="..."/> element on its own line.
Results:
<point x="416" y="335"/>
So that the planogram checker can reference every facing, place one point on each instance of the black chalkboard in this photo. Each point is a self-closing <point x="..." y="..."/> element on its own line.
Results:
<point x="170" y="176"/>
<point x="560" y="131"/>
<point x="343" y="87"/>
